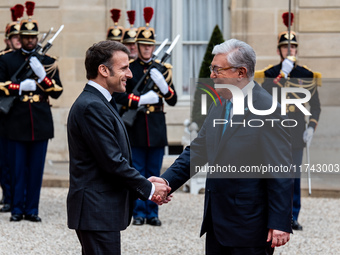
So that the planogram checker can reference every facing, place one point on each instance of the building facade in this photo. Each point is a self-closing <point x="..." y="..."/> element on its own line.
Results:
<point x="256" y="22"/>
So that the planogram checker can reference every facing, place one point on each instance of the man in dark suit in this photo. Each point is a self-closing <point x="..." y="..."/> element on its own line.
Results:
<point x="103" y="184"/>
<point x="244" y="213"/>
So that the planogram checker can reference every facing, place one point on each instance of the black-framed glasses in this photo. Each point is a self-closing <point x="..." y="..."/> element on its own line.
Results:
<point x="217" y="69"/>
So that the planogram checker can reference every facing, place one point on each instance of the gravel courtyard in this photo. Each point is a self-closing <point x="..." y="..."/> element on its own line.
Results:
<point x="179" y="233"/>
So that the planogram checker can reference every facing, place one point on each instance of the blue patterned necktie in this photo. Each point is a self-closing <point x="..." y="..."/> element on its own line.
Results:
<point x="227" y="115"/>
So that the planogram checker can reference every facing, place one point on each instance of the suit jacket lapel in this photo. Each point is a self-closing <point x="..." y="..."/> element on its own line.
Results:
<point x="239" y="119"/>
<point x="216" y="132"/>
<point x="115" y="113"/>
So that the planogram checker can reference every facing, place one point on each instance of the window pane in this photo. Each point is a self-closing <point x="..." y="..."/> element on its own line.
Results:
<point x="161" y="20"/>
<point x="192" y="59"/>
<point x="199" y="19"/>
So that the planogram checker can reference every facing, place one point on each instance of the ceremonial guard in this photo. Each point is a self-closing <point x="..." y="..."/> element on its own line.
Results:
<point x="129" y="35"/>
<point x="148" y="133"/>
<point x="289" y="74"/>
<point x="29" y="122"/>
<point x="115" y="32"/>
<point x="12" y="40"/>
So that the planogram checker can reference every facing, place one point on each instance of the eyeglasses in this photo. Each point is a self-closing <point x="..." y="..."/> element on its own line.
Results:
<point x="217" y="69"/>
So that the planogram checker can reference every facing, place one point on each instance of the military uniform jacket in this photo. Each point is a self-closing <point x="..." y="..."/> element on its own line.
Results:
<point x="300" y="76"/>
<point x="149" y="128"/>
<point x="30" y="118"/>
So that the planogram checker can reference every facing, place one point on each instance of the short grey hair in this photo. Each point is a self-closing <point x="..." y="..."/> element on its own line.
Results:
<point x="240" y="54"/>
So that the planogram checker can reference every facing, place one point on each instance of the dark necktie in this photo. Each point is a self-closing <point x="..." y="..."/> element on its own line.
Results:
<point x="227" y="115"/>
<point x="113" y="103"/>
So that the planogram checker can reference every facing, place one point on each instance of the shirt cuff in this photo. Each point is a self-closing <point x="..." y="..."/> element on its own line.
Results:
<point x="152" y="191"/>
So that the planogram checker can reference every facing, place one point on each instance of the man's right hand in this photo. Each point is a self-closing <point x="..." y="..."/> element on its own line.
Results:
<point x="150" y="97"/>
<point x="287" y="67"/>
<point x="38" y="68"/>
<point x="160" y="195"/>
<point x="27" y="85"/>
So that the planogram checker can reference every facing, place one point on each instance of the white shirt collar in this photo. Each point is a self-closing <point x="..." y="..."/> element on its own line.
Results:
<point x="27" y="52"/>
<point x="102" y="90"/>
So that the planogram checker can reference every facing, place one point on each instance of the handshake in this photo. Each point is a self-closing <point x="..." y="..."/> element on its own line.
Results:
<point x="162" y="190"/>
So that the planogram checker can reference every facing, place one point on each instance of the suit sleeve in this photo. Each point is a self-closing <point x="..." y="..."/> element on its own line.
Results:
<point x="276" y="147"/>
<point x="184" y="166"/>
<point x="105" y="146"/>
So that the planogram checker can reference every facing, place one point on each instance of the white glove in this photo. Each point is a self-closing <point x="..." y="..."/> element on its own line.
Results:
<point x="287" y="67"/>
<point x="150" y="97"/>
<point x="308" y="135"/>
<point x="38" y="68"/>
<point x="27" y="85"/>
<point x="158" y="78"/>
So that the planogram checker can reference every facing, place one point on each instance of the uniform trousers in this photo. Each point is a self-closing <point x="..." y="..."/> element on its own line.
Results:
<point x="297" y="161"/>
<point x="26" y="161"/>
<point x="148" y="161"/>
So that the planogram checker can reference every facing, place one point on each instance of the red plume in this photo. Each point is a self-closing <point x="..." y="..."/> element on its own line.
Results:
<point x="131" y="15"/>
<point x="29" y="8"/>
<point x="14" y="18"/>
<point x="148" y="13"/>
<point x="19" y="11"/>
<point x="115" y="15"/>
<point x="285" y="17"/>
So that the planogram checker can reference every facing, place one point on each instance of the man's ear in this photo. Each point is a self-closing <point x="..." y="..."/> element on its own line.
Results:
<point x="242" y="72"/>
<point x="103" y="71"/>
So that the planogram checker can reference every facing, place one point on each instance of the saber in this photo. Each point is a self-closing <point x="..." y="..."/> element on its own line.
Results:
<point x="168" y="51"/>
<point x="43" y="38"/>
<point x="56" y="34"/>
<point x="308" y="170"/>
<point x="174" y="42"/>
<point x="45" y="35"/>
<point x="49" y="43"/>
<point x="155" y="54"/>
<point x="289" y="24"/>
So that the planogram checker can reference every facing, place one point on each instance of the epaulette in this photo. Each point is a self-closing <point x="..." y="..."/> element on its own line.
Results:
<point x="259" y="75"/>
<point x="54" y="57"/>
<point x="5" y="51"/>
<point x="305" y="67"/>
<point x="316" y="75"/>
<point x="131" y="60"/>
<point x="167" y="65"/>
